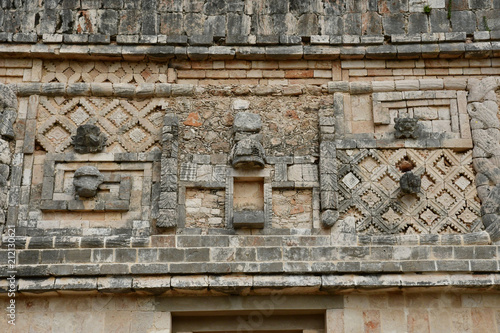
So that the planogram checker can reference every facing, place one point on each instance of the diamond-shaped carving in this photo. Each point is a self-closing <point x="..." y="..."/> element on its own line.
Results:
<point x="426" y="182"/>
<point x="429" y="216"/>
<point x="388" y="183"/>
<point x="133" y="126"/>
<point x="137" y="134"/>
<point x="156" y="118"/>
<point x="443" y="165"/>
<point x="409" y="201"/>
<point x="68" y="72"/>
<point x="372" y="230"/>
<point x="115" y="72"/>
<point x="448" y="229"/>
<point x="369" y="164"/>
<point x="447" y="191"/>
<point x="370" y="198"/>
<point x="462" y="182"/>
<point x="354" y="212"/>
<point x="411" y="231"/>
<point x="391" y="216"/>
<point x="350" y="180"/>
<point x="467" y="216"/>
<point x="119" y="116"/>
<point x="445" y="199"/>
<point x="57" y="134"/>
<point x="79" y="116"/>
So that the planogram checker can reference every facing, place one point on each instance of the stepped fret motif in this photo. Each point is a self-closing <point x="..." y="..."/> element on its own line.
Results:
<point x="100" y="71"/>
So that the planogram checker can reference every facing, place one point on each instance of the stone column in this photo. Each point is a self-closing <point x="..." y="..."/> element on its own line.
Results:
<point x="168" y="202"/>
<point x="10" y="165"/>
<point x="328" y="164"/>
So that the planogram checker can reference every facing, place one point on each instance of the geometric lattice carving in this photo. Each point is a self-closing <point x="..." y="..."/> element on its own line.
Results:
<point x="369" y="190"/>
<point x="99" y="71"/>
<point x="130" y="125"/>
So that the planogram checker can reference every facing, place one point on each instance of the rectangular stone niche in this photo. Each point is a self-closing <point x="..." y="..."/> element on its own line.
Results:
<point x="248" y="202"/>
<point x="248" y="199"/>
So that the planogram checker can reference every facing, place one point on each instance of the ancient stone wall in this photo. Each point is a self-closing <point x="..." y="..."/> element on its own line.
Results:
<point x="242" y="21"/>
<point x="157" y="157"/>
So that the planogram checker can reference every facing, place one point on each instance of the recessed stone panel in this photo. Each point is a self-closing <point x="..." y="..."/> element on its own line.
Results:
<point x="292" y="209"/>
<point x="124" y="201"/>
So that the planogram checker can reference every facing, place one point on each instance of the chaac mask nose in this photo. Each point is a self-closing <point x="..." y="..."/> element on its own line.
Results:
<point x="86" y="181"/>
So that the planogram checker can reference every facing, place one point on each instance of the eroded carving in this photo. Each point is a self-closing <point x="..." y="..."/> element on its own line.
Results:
<point x="370" y="189"/>
<point x="8" y="112"/>
<point x="89" y="139"/>
<point x="86" y="181"/>
<point x="407" y="128"/>
<point x="410" y="183"/>
<point x="483" y="110"/>
<point x="247" y="151"/>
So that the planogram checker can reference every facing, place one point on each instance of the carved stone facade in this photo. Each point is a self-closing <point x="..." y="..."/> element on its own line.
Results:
<point x="369" y="189"/>
<point x="130" y="126"/>
<point x="88" y="139"/>
<point x="313" y="166"/>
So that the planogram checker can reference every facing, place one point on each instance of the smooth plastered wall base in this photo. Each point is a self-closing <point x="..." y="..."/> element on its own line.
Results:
<point x="398" y="311"/>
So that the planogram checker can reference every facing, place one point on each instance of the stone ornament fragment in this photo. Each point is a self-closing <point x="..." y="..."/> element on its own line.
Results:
<point x="410" y="183"/>
<point x="8" y="112"/>
<point x="89" y="139"/>
<point x="484" y="111"/>
<point x="247" y="152"/>
<point x="167" y="212"/>
<point x="86" y="181"/>
<point x="407" y="128"/>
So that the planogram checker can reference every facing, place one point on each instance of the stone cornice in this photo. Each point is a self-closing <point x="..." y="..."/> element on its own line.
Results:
<point x="404" y="49"/>
<point x="217" y="285"/>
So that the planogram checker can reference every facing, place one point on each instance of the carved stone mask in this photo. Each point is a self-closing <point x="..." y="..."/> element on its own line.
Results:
<point x="248" y="153"/>
<point x="410" y="183"/>
<point x="89" y="139"/>
<point x="86" y="180"/>
<point x="406" y="128"/>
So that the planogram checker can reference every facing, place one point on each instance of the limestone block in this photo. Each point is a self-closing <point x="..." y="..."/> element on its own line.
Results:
<point x="114" y="284"/>
<point x="230" y="284"/>
<point x="407" y="85"/>
<point x="194" y="282"/>
<point x="240" y="104"/>
<point x="153" y="284"/>
<point x="431" y="84"/>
